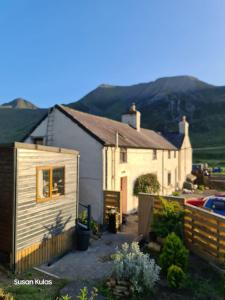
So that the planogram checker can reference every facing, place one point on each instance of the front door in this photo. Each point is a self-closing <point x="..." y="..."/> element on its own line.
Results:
<point x="123" y="194"/>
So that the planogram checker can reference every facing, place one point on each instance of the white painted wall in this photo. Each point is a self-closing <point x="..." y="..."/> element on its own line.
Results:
<point x="69" y="135"/>
<point x="97" y="175"/>
<point x="139" y="162"/>
<point x="185" y="160"/>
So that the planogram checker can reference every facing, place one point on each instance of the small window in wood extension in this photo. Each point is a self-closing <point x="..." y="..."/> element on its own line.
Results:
<point x="50" y="183"/>
<point x="154" y="154"/>
<point x="38" y="140"/>
<point x="123" y="155"/>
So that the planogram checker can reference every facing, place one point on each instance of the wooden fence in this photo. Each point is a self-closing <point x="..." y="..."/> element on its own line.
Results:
<point x="204" y="231"/>
<point x="112" y="201"/>
<point x="215" y="182"/>
<point x="43" y="252"/>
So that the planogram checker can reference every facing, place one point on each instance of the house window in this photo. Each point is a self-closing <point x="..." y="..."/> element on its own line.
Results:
<point x="38" y="140"/>
<point x="123" y="155"/>
<point x="154" y="154"/>
<point x="169" y="178"/>
<point x="175" y="154"/>
<point x="50" y="183"/>
<point x="169" y="154"/>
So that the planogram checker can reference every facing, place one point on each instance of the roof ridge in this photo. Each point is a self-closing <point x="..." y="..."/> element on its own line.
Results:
<point x="102" y="129"/>
<point x="92" y="115"/>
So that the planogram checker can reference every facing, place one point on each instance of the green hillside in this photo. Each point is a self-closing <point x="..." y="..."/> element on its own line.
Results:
<point x="15" y="124"/>
<point x="162" y="104"/>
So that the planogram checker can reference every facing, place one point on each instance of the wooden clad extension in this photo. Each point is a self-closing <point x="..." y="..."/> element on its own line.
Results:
<point x="6" y="200"/>
<point x="32" y="231"/>
<point x="42" y="252"/>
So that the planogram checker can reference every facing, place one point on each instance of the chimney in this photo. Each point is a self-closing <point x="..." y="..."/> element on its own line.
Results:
<point x="132" y="117"/>
<point x="183" y="126"/>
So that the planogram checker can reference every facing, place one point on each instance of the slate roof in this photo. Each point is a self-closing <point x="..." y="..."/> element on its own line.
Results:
<point x="16" y="124"/>
<point x="175" y="138"/>
<point x="104" y="130"/>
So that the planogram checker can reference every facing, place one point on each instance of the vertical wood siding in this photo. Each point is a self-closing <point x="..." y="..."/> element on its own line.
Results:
<point x="39" y="253"/>
<point x="6" y="199"/>
<point x="39" y="226"/>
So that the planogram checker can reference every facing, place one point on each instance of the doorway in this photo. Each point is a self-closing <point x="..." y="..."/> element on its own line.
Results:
<point x="123" y="194"/>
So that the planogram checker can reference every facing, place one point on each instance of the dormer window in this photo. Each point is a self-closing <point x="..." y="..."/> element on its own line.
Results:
<point x="123" y="155"/>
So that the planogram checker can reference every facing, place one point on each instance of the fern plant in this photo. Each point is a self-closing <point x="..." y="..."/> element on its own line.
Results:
<point x="84" y="294"/>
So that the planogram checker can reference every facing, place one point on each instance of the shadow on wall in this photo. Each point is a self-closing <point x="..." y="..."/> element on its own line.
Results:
<point x="54" y="243"/>
<point x="56" y="228"/>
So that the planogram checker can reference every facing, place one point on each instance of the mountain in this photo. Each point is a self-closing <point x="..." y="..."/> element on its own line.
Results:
<point x="162" y="103"/>
<point x="19" y="103"/>
<point x="15" y="124"/>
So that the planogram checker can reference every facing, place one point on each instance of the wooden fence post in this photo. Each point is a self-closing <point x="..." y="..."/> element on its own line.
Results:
<point x="145" y="214"/>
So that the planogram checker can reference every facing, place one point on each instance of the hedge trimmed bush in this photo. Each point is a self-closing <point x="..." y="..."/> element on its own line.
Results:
<point x="174" y="253"/>
<point x="175" y="277"/>
<point x="147" y="183"/>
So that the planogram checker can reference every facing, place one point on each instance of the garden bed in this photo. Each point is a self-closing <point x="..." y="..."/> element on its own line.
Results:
<point x="203" y="282"/>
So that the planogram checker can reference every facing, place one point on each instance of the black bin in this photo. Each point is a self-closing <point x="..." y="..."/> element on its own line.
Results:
<point x="83" y="237"/>
<point x="112" y="226"/>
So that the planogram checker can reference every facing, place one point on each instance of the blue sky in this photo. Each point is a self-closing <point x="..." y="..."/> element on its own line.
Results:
<point x="55" y="51"/>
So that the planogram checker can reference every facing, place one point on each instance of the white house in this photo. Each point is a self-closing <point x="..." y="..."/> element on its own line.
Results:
<point x="113" y="154"/>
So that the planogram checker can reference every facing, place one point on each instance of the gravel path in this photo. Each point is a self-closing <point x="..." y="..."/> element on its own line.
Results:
<point x="88" y="267"/>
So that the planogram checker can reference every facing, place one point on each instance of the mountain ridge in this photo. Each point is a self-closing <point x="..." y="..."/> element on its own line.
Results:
<point x="162" y="103"/>
<point x="19" y="103"/>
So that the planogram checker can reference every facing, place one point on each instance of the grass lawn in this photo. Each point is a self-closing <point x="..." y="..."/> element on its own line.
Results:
<point x="31" y="292"/>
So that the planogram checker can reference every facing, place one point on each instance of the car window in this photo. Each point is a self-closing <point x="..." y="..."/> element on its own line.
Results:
<point x="218" y="205"/>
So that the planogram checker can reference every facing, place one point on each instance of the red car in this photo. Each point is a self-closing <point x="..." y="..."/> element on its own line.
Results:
<point x="196" y="202"/>
<point x="215" y="204"/>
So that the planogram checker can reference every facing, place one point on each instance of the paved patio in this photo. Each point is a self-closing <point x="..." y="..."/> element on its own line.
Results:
<point x="94" y="264"/>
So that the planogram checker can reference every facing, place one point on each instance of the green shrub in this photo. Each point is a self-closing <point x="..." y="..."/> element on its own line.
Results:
<point x="201" y="187"/>
<point x="175" y="276"/>
<point x="168" y="219"/>
<point x="147" y="183"/>
<point x="176" y="193"/>
<point x="174" y="253"/>
<point x="84" y="220"/>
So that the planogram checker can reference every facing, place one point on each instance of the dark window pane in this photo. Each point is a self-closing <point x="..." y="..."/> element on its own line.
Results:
<point x="58" y="184"/>
<point x="43" y="184"/>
